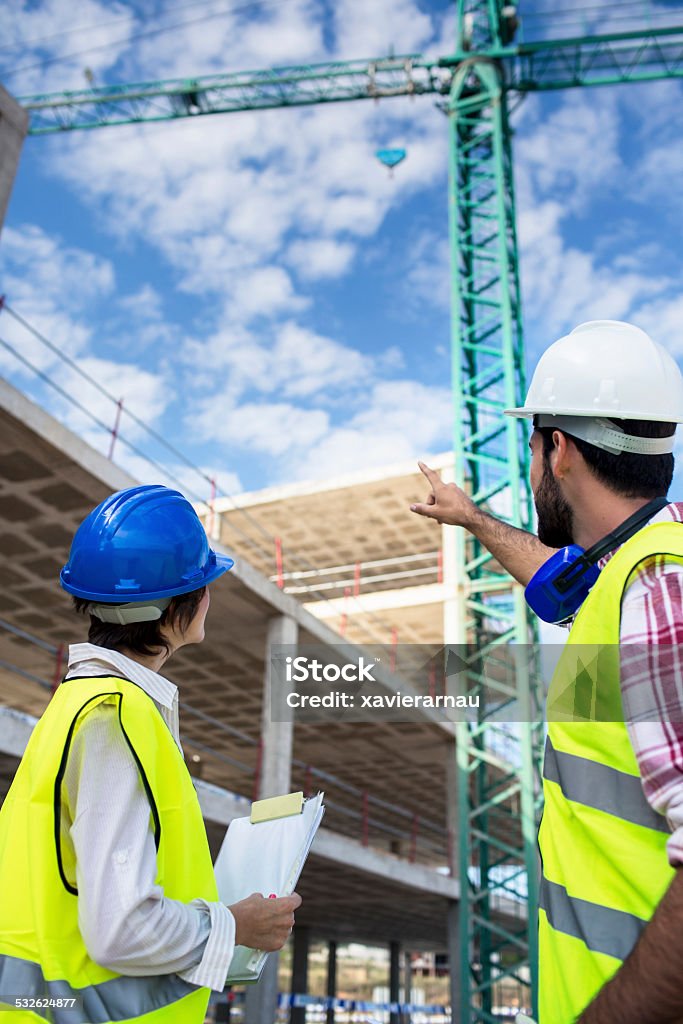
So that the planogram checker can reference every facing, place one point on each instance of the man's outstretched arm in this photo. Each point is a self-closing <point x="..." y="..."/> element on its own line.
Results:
<point x="519" y="552"/>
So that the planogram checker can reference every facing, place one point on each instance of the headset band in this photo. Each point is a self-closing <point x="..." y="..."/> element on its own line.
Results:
<point x="126" y="614"/>
<point x="606" y="435"/>
<point x="618" y="536"/>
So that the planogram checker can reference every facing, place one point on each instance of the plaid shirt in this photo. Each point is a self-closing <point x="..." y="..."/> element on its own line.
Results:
<point x="652" y="681"/>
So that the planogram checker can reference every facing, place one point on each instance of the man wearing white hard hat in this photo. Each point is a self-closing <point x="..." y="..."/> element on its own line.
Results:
<point x="608" y="561"/>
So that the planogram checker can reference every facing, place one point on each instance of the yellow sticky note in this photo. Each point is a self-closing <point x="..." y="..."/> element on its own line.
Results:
<point x="277" y="807"/>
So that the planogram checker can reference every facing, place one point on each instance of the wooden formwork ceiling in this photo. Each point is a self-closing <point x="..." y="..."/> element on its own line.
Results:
<point x="358" y="518"/>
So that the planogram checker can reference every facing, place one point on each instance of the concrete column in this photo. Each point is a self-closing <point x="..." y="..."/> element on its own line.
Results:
<point x="276" y="767"/>
<point x="331" y="977"/>
<point x="276" y="737"/>
<point x="13" y="128"/>
<point x="301" y="938"/>
<point x="394" y="979"/>
<point x="454" y="960"/>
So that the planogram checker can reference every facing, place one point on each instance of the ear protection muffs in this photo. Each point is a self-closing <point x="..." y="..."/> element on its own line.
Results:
<point x="558" y="589"/>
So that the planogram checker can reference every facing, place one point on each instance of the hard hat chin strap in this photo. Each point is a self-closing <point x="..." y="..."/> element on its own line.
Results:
<point x="127" y="614"/>
<point x="606" y="435"/>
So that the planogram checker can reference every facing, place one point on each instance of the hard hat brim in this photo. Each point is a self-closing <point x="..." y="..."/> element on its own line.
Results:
<point x="522" y="412"/>
<point x="519" y="413"/>
<point x="213" y="570"/>
<point x="223" y="565"/>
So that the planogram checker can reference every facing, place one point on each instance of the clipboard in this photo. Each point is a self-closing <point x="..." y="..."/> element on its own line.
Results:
<point x="265" y="852"/>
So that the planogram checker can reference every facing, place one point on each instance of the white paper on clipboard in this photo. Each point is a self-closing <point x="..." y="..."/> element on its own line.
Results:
<point x="267" y="857"/>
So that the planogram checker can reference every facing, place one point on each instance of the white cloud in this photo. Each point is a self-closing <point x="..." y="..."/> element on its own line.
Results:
<point x="137" y="324"/>
<point x="228" y="201"/>
<point x="318" y="258"/>
<point x="144" y="393"/>
<point x="390" y="360"/>
<point x="272" y="429"/>
<point x="305" y="363"/>
<point x="230" y="38"/>
<point x="91" y="415"/>
<point x="59" y="291"/>
<point x="396" y="26"/>
<point x="573" y="152"/>
<point x="263" y="292"/>
<point x="428" y="275"/>
<point x="565" y="285"/>
<point x="66" y="334"/>
<point x="290" y="361"/>
<point x="399" y="420"/>
<point x="52" y="287"/>
<point x="663" y="319"/>
<point x="43" y="36"/>
<point x="42" y="269"/>
<point x="145" y="304"/>
<point x="567" y="164"/>
<point x="249" y="212"/>
<point x="658" y="173"/>
<point x="395" y="420"/>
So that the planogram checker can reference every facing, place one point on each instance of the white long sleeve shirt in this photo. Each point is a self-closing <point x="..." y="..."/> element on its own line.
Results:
<point x="127" y="923"/>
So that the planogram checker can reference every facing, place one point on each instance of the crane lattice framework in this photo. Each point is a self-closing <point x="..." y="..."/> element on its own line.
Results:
<point x="498" y="768"/>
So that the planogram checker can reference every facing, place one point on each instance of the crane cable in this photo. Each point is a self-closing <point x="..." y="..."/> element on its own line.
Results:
<point x="238" y="9"/>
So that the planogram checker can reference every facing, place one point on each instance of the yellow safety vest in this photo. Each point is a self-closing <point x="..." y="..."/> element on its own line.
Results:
<point x="603" y="848"/>
<point x="42" y="954"/>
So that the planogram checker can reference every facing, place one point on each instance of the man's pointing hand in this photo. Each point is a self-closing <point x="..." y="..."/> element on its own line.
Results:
<point x="518" y="551"/>
<point x="447" y="503"/>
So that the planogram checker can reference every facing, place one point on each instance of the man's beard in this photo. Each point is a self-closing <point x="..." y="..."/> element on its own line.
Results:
<point x="555" y="519"/>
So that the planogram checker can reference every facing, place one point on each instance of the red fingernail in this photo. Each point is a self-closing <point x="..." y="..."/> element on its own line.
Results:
<point x="272" y="896"/>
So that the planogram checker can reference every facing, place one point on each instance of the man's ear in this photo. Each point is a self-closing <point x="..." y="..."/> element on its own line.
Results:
<point x="561" y="455"/>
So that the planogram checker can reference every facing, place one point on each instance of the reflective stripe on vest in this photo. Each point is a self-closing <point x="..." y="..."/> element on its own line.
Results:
<point x="117" y="999"/>
<point x="597" y="785"/>
<point x="602" y="929"/>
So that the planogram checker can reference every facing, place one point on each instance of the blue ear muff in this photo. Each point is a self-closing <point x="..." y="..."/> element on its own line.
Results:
<point x="557" y="590"/>
<point x="561" y="585"/>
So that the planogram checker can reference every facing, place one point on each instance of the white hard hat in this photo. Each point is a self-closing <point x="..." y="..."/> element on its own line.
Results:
<point x="606" y="369"/>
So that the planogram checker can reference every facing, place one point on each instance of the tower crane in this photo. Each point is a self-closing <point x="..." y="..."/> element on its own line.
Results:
<point x="498" y="784"/>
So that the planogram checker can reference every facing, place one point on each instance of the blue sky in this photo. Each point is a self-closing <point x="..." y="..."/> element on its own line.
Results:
<point x="255" y="286"/>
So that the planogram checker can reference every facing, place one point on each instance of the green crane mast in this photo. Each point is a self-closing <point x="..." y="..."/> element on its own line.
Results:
<point x="498" y="793"/>
<point x="498" y="765"/>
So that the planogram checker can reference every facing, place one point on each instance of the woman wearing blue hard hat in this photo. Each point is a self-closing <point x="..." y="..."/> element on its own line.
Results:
<point x="108" y="903"/>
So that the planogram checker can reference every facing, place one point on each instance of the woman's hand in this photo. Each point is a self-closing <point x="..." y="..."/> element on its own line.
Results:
<point x="262" y="923"/>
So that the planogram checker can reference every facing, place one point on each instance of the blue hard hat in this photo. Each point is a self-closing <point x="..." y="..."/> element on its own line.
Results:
<point x="140" y="544"/>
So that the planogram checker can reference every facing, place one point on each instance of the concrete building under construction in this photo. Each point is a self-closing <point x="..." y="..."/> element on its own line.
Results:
<point x="334" y="564"/>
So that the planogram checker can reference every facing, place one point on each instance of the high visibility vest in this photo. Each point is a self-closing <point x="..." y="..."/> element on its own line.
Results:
<point x="42" y="953"/>
<point x="603" y="848"/>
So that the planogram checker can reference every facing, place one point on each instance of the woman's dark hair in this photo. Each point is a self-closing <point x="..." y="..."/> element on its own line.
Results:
<point x="632" y="476"/>
<point x="142" y="637"/>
